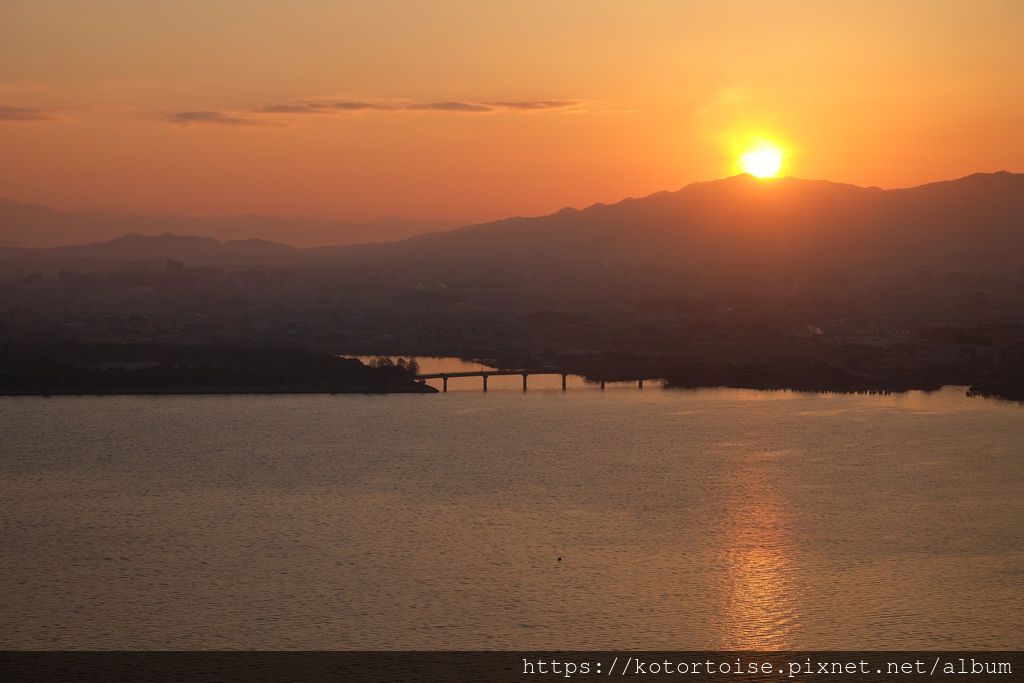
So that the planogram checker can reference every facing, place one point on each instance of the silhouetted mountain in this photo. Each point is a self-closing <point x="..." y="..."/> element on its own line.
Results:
<point x="974" y="221"/>
<point x="977" y="219"/>
<point x="30" y="225"/>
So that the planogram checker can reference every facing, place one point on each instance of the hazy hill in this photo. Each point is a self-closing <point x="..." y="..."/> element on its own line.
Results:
<point x="157" y="248"/>
<point x="31" y="225"/>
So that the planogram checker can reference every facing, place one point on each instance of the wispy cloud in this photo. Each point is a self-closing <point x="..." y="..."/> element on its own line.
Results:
<point x="185" y="118"/>
<point x="533" y="105"/>
<point x="321" y="107"/>
<point x="8" y="113"/>
<point x="328" y="106"/>
<point x="259" y="116"/>
<point x="466" y="107"/>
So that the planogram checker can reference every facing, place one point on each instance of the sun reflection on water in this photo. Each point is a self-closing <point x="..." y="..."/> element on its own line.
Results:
<point x="760" y="610"/>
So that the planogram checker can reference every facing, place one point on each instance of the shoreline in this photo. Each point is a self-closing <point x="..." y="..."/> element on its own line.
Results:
<point x="811" y="375"/>
<point x="968" y="391"/>
<point x="215" y="391"/>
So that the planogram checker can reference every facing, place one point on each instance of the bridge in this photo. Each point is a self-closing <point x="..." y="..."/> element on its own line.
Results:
<point x="485" y="374"/>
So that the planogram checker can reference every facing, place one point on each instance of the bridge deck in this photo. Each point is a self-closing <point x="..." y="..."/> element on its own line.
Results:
<point x="485" y="374"/>
<point x="488" y="373"/>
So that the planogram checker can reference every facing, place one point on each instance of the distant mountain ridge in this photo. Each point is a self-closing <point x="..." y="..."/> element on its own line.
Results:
<point x="36" y="226"/>
<point x="977" y="220"/>
<point x="154" y="248"/>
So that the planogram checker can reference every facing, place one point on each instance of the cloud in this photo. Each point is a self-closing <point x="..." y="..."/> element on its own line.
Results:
<point x="532" y="105"/>
<point x="24" y="114"/>
<point x="355" y="106"/>
<point x="467" y="107"/>
<point x="327" y="106"/>
<point x="321" y="107"/>
<point x="260" y="115"/>
<point x="185" y="118"/>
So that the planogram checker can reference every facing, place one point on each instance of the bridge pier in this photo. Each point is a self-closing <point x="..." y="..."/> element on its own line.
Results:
<point x="444" y="380"/>
<point x="485" y="381"/>
<point x="639" y="384"/>
<point x="524" y="381"/>
<point x="564" y="376"/>
<point x="602" y="385"/>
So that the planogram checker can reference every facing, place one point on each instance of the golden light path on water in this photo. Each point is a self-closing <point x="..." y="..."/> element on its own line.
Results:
<point x="761" y="606"/>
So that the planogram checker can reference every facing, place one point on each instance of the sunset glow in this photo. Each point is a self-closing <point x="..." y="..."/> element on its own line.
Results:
<point x="388" y="108"/>
<point x="763" y="161"/>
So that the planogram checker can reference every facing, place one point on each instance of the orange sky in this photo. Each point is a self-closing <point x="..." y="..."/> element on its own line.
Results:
<point x="474" y="110"/>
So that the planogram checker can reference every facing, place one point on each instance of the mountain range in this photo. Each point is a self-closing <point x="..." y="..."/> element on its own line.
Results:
<point x="977" y="220"/>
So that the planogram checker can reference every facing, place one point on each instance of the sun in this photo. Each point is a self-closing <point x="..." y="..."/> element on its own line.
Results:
<point x="762" y="161"/>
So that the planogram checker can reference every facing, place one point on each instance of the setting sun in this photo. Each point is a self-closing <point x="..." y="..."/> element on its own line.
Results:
<point x="762" y="161"/>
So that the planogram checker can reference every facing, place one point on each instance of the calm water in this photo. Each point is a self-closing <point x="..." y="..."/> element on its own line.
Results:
<point x="697" y="519"/>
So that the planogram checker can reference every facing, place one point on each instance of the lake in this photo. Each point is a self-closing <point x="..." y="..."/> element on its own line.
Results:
<point x="712" y="519"/>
